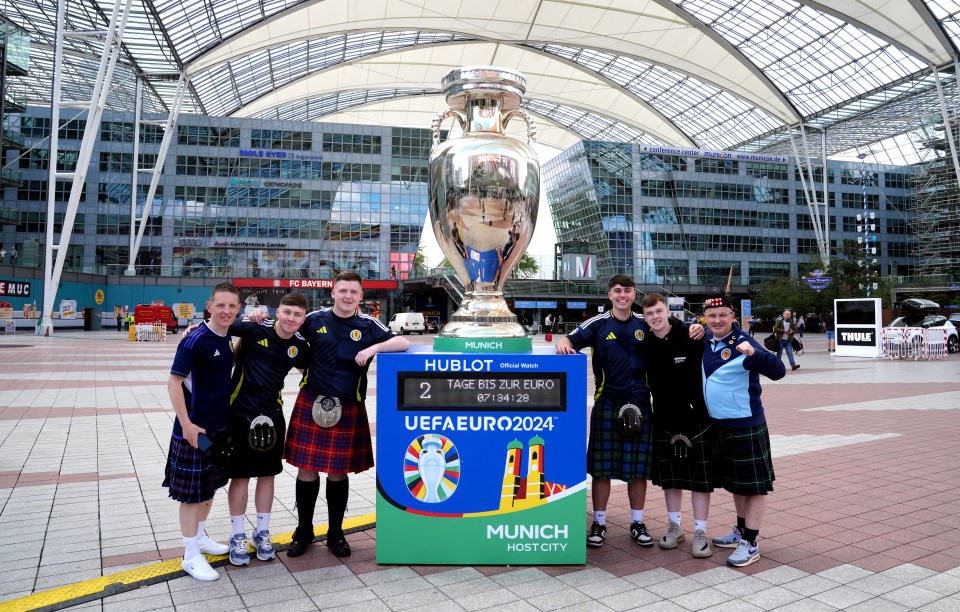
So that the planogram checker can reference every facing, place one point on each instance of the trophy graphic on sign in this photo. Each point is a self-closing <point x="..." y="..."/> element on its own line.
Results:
<point x="432" y="465"/>
<point x="484" y="193"/>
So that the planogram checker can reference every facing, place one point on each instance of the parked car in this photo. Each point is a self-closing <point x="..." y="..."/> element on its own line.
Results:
<point x="407" y="323"/>
<point x="955" y="319"/>
<point x="930" y="321"/>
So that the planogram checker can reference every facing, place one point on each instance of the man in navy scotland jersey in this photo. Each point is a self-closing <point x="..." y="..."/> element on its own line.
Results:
<point x="620" y="379"/>
<point x="343" y="342"/>
<point x="268" y="351"/>
<point x="199" y="388"/>
<point x="732" y="364"/>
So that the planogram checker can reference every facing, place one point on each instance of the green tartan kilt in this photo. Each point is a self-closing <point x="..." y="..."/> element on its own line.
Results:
<point x="744" y="465"/>
<point x="612" y="455"/>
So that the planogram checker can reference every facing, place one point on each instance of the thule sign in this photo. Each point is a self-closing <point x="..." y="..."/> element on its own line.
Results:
<point x="858" y="337"/>
<point x="859" y="327"/>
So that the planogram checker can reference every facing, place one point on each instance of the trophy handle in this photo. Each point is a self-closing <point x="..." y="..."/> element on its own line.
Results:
<point x="531" y="125"/>
<point x="441" y="116"/>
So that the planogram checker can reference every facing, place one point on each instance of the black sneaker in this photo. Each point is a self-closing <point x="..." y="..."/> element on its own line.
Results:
<point x="638" y="531"/>
<point x="598" y="533"/>
<point x="338" y="545"/>
<point x="301" y="540"/>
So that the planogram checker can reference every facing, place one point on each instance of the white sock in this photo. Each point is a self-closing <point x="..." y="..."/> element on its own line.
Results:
<point x="700" y="525"/>
<point x="600" y="516"/>
<point x="263" y="521"/>
<point x="201" y="530"/>
<point x="191" y="546"/>
<point x="636" y="516"/>
<point x="237" y="523"/>
<point x="674" y="517"/>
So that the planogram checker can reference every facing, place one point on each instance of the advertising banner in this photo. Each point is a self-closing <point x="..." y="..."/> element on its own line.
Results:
<point x="481" y="458"/>
<point x="68" y="309"/>
<point x="859" y="327"/>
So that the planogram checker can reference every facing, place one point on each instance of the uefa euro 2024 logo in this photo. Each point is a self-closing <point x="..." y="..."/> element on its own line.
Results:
<point x="431" y="468"/>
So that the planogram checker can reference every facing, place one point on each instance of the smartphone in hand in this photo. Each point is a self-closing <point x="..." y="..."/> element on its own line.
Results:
<point x="203" y="442"/>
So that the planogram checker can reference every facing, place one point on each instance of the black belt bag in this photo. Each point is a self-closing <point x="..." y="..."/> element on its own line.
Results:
<point x="630" y="421"/>
<point x="221" y="447"/>
<point x="262" y="435"/>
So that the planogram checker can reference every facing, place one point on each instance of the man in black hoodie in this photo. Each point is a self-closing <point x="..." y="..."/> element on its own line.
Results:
<point x="681" y="427"/>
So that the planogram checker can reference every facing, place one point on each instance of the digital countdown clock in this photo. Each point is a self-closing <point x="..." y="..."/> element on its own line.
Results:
<point x="482" y="391"/>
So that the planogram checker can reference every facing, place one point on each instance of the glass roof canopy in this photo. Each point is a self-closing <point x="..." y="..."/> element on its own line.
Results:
<point x="716" y="74"/>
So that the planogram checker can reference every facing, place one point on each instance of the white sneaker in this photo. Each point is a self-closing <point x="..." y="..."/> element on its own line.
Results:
<point x="199" y="568"/>
<point x="212" y="547"/>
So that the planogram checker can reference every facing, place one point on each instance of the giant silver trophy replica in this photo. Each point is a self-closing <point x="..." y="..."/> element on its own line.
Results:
<point x="484" y="193"/>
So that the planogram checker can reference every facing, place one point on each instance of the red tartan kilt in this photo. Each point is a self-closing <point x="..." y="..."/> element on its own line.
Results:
<point x="344" y="448"/>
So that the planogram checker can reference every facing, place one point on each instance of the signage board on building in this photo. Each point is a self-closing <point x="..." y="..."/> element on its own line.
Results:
<point x="14" y="288"/>
<point x="579" y="267"/>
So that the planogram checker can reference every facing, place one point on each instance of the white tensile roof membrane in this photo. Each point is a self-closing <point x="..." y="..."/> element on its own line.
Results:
<point x="713" y="74"/>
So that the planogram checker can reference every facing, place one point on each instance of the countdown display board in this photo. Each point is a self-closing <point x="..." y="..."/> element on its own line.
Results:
<point x="481" y="458"/>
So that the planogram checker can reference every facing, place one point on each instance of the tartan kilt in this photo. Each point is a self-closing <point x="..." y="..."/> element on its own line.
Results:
<point x="679" y="467"/>
<point x="346" y="447"/>
<point x="744" y="463"/>
<point x="612" y="455"/>
<point x="191" y="475"/>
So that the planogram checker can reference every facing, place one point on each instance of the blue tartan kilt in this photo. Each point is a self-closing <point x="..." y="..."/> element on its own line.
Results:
<point x="744" y="465"/>
<point x="191" y="475"/>
<point x="610" y="454"/>
<point x="344" y="448"/>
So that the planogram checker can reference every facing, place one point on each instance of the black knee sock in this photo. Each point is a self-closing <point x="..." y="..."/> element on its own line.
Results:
<point x="750" y="535"/>
<point x="741" y="524"/>
<point x="337" y="493"/>
<point x="307" y="493"/>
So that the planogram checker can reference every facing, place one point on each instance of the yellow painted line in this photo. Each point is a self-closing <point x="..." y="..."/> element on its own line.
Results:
<point x="156" y="572"/>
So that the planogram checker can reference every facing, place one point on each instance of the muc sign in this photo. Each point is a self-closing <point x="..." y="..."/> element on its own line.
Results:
<point x="14" y="288"/>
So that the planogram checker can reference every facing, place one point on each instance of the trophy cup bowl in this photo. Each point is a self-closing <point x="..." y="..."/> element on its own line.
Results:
<point x="484" y="194"/>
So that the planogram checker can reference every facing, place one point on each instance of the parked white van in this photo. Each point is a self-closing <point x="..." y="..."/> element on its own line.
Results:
<point x="407" y="323"/>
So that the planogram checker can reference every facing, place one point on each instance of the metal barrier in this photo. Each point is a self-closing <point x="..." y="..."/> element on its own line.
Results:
<point x="150" y="332"/>
<point x="935" y="344"/>
<point x="914" y="343"/>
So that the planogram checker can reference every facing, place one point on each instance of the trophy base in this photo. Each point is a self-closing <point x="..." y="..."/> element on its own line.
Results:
<point x="483" y="345"/>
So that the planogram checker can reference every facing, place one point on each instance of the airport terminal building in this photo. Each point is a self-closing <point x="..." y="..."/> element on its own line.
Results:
<point x="682" y="220"/>
<point x="247" y="198"/>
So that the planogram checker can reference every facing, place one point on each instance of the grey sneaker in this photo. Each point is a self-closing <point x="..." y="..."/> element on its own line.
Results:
<point x="731" y="540"/>
<point x="239" y="554"/>
<point x="673" y="536"/>
<point x="745" y="554"/>
<point x="598" y="534"/>
<point x="701" y="545"/>
<point x="261" y="541"/>
<point x="638" y="531"/>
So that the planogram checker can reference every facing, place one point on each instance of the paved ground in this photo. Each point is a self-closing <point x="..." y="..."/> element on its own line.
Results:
<point x="864" y="516"/>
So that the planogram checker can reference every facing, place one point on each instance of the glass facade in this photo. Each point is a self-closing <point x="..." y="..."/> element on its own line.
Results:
<point x="237" y="198"/>
<point x="687" y="221"/>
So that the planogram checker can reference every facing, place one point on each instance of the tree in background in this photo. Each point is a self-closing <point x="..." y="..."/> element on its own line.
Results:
<point x="420" y="262"/>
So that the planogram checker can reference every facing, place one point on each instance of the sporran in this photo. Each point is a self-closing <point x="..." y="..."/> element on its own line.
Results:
<point x="327" y="410"/>
<point x="262" y="435"/>
<point x="630" y="421"/>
